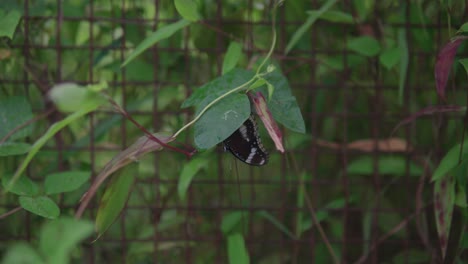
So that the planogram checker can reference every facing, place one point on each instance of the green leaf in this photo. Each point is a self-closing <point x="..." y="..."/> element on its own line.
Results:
<point x="450" y="161"/>
<point x="390" y="57"/>
<point x="237" y="252"/>
<point x="158" y="35"/>
<point x="366" y="46"/>
<point x="390" y="165"/>
<point x="65" y="181"/>
<point x="8" y="23"/>
<point x="217" y="87"/>
<point x="333" y="16"/>
<point x="307" y="24"/>
<point x="231" y="220"/>
<point x="221" y="120"/>
<point x="22" y="253"/>
<point x="60" y="237"/>
<point x="114" y="198"/>
<point x="14" y="111"/>
<point x="283" y="105"/>
<point x="464" y="63"/>
<point x="13" y="148"/>
<point x="23" y="186"/>
<point x="187" y="9"/>
<point x="463" y="29"/>
<point x="363" y="8"/>
<point x="41" y="205"/>
<point x="189" y="170"/>
<point x="412" y="256"/>
<point x="232" y="56"/>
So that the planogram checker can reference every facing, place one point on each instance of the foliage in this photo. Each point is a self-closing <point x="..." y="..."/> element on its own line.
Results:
<point x="354" y="71"/>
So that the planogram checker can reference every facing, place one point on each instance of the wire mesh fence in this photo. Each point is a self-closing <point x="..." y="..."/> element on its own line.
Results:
<point x="352" y="189"/>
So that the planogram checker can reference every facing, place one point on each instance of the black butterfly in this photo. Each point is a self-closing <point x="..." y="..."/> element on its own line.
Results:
<point x="246" y="145"/>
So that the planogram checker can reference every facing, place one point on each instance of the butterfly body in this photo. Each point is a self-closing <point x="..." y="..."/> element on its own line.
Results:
<point x="246" y="145"/>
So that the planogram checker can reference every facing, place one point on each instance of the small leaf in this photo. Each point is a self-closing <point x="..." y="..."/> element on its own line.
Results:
<point x="114" y="198"/>
<point x="158" y="35"/>
<point x="444" y="63"/>
<point x="21" y="253"/>
<point x="237" y="252"/>
<point x="390" y="57"/>
<point x="41" y="205"/>
<point x="187" y="9"/>
<point x="189" y="170"/>
<point x="444" y="197"/>
<point x="232" y="56"/>
<point x="259" y="82"/>
<point x="65" y="181"/>
<point x="463" y="29"/>
<point x="60" y="237"/>
<point x="23" y="186"/>
<point x="366" y="46"/>
<point x="14" y="111"/>
<point x="13" y="148"/>
<point x="307" y="24"/>
<point x="8" y="23"/>
<point x="450" y="161"/>
<point x="390" y="165"/>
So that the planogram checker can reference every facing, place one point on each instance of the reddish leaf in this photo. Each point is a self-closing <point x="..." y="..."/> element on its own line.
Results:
<point x="267" y="119"/>
<point x="444" y="64"/>
<point x="142" y="146"/>
<point x="444" y="198"/>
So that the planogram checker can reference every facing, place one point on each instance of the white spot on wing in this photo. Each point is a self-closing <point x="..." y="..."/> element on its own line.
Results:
<point x="253" y="152"/>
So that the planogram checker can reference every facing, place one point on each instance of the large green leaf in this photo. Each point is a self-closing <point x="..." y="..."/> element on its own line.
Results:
<point x="221" y="120"/>
<point x="14" y="111"/>
<point x="58" y="238"/>
<point x="212" y="90"/>
<point x="41" y="205"/>
<point x="114" y="198"/>
<point x="283" y="104"/>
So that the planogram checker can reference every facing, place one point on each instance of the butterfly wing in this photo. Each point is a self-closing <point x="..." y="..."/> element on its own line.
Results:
<point x="246" y="145"/>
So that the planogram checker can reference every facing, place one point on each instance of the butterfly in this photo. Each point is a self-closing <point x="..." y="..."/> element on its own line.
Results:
<point x="246" y="145"/>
